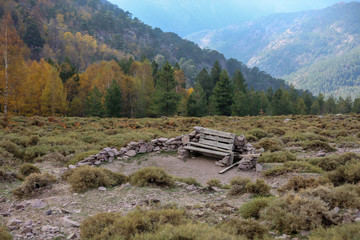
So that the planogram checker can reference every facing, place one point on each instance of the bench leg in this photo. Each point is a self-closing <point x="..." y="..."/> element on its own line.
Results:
<point x="231" y="160"/>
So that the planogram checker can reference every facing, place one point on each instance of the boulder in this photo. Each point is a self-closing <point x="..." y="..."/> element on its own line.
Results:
<point x="69" y="223"/>
<point x="185" y="139"/>
<point x="130" y="153"/>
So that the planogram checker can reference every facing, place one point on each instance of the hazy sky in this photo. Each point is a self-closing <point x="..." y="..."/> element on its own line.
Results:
<point x="187" y="16"/>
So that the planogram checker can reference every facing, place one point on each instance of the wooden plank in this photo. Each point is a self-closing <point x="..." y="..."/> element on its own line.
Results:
<point x="209" y="147"/>
<point x="249" y="155"/>
<point x="206" y="151"/>
<point x="218" y="133"/>
<point x="218" y="138"/>
<point x="228" y="168"/>
<point x="217" y="144"/>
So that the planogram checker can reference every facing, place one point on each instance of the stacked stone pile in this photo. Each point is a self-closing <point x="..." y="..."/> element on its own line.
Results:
<point x="110" y="154"/>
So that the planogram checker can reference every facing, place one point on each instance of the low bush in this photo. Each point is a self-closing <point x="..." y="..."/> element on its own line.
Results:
<point x="298" y="182"/>
<point x="293" y="213"/>
<point x="27" y="169"/>
<point x="344" y="232"/>
<point x="276" y="157"/>
<point x="349" y="173"/>
<point x="86" y="177"/>
<point x="32" y="152"/>
<point x="12" y="148"/>
<point x="300" y="137"/>
<point x="294" y="167"/>
<point x="4" y="234"/>
<point x="259" y="188"/>
<point x="33" y="184"/>
<point x="238" y="186"/>
<point x="330" y="163"/>
<point x="151" y="176"/>
<point x="276" y="131"/>
<point x="270" y="144"/>
<point x="252" y="209"/>
<point x="249" y="228"/>
<point x="345" y="196"/>
<point x="317" y="145"/>
<point x="134" y="223"/>
<point x="8" y="176"/>
<point x="32" y="140"/>
<point x="214" y="183"/>
<point x="81" y="156"/>
<point x="189" y="181"/>
<point x="258" y="133"/>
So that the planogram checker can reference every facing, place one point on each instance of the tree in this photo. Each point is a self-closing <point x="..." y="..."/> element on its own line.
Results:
<point x="204" y="79"/>
<point x="197" y="104"/>
<point x="222" y="97"/>
<point x="330" y="105"/>
<point x="166" y="98"/>
<point x="215" y="75"/>
<point x="356" y="105"/>
<point x="113" y="100"/>
<point x="13" y="51"/>
<point x="240" y="107"/>
<point x="239" y="82"/>
<point x="93" y="103"/>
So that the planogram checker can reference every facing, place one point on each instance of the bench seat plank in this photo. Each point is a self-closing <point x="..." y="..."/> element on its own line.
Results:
<point x="207" y="151"/>
<point x="209" y="147"/>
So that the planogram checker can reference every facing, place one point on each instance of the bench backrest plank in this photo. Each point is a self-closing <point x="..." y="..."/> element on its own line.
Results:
<point x="217" y="139"/>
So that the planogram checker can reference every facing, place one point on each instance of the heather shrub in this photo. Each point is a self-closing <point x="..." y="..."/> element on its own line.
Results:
<point x="92" y="227"/>
<point x="189" y="181"/>
<point x="293" y="213"/>
<point x="214" y="183"/>
<point x="297" y="183"/>
<point x="258" y="133"/>
<point x="252" y="209"/>
<point x="33" y="184"/>
<point x="250" y="228"/>
<point x="317" y="145"/>
<point x="344" y="232"/>
<point x="151" y="176"/>
<point x="270" y="144"/>
<point x="332" y="162"/>
<point x="349" y="173"/>
<point x="4" y="234"/>
<point x="86" y="177"/>
<point x="259" y="188"/>
<point x="238" y="186"/>
<point x="81" y="156"/>
<point x="8" y="176"/>
<point x="27" y="169"/>
<point x="294" y="167"/>
<point x="276" y="157"/>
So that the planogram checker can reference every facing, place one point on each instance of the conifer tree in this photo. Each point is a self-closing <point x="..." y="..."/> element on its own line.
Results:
<point x="166" y="98"/>
<point x="222" y="97"/>
<point x="215" y="76"/>
<point x="203" y="78"/>
<point x="239" y="82"/>
<point x="113" y="100"/>
<point x="93" y="103"/>
<point x="197" y="104"/>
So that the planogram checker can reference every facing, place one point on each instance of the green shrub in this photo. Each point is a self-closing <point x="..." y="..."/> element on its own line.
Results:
<point x="214" y="183"/>
<point x="8" y="176"/>
<point x="4" y="234"/>
<point x="317" y="145"/>
<point x="258" y="133"/>
<point x="259" y="188"/>
<point x="12" y="148"/>
<point x="27" y="169"/>
<point x="252" y="209"/>
<point x="189" y="181"/>
<point x="86" y="177"/>
<point x="32" y="141"/>
<point x="250" y="228"/>
<point x="300" y="137"/>
<point x="92" y="227"/>
<point x="33" y="152"/>
<point x="276" y="157"/>
<point x="332" y="162"/>
<point x="349" y="173"/>
<point x="293" y="213"/>
<point x="298" y="182"/>
<point x="295" y="167"/>
<point x="34" y="183"/>
<point x="344" y="232"/>
<point x="276" y="131"/>
<point x="151" y="176"/>
<point x="238" y="186"/>
<point x="270" y="144"/>
<point x="81" y="156"/>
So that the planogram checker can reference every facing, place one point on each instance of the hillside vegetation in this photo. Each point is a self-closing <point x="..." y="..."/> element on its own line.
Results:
<point x="315" y="50"/>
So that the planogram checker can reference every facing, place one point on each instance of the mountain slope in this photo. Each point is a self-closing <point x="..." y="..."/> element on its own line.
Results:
<point x="288" y="45"/>
<point x="86" y="31"/>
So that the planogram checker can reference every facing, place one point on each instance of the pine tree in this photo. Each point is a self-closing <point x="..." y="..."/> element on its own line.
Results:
<point x="241" y="106"/>
<point x="113" y="100"/>
<point x="166" y="98"/>
<point x="197" y="104"/>
<point x="330" y="105"/>
<point x="215" y="76"/>
<point x="239" y="82"/>
<point x="356" y="106"/>
<point x="93" y="103"/>
<point x="222" y="97"/>
<point x="203" y="78"/>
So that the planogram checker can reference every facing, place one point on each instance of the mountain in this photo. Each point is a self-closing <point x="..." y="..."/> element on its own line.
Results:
<point x="316" y="50"/>
<point x="87" y="31"/>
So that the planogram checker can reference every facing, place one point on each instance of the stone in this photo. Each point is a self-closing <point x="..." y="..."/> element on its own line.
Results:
<point x="258" y="168"/>
<point x="198" y="129"/>
<point x="27" y="229"/>
<point x="185" y="139"/>
<point x="122" y="151"/>
<point x="287" y="120"/>
<point x="156" y="149"/>
<point x="72" y="166"/>
<point x="13" y="222"/>
<point x="357" y="219"/>
<point x="163" y="140"/>
<point x="336" y="210"/>
<point x="191" y="188"/>
<point x="48" y="212"/>
<point x="304" y="233"/>
<point x="97" y="163"/>
<point x="143" y="148"/>
<point x="154" y="141"/>
<point x="170" y="140"/>
<point x="321" y="154"/>
<point x="102" y="189"/>
<point x="28" y="223"/>
<point x="131" y="153"/>
<point x="72" y="236"/>
<point x="69" y="223"/>
<point x="192" y="134"/>
<point x="38" y="203"/>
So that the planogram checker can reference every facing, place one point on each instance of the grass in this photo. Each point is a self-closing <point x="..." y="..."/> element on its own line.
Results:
<point x="292" y="167"/>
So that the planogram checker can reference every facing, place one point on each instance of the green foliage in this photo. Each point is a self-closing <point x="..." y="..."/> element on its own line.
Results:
<point x="293" y="166"/>
<point x="93" y="103"/>
<point x="345" y="232"/>
<point x="259" y="188"/>
<point x="113" y="100"/>
<point x="270" y="144"/>
<point x="33" y="184"/>
<point x="298" y="182"/>
<point x="332" y="162"/>
<point x="276" y="157"/>
<point x="197" y="103"/>
<point x="189" y="181"/>
<point x="214" y="182"/>
<point x="349" y="173"/>
<point x="81" y="156"/>
<point x="7" y="176"/>
<point x="250" y="228"/>
<point x="238" y="186"/>
<point x="317" y="146"/>
<point x="253" y="208"/>
<point x="86" y="177"/>
<point x="27" y="169"/>
<point x="222" y="95"/>
<point x="4" y="234"/>
<point x="151" y="176"/>
<point x="258" y="133"/>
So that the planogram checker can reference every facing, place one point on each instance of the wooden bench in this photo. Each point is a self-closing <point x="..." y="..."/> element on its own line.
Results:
<point x="215" y="143"/>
